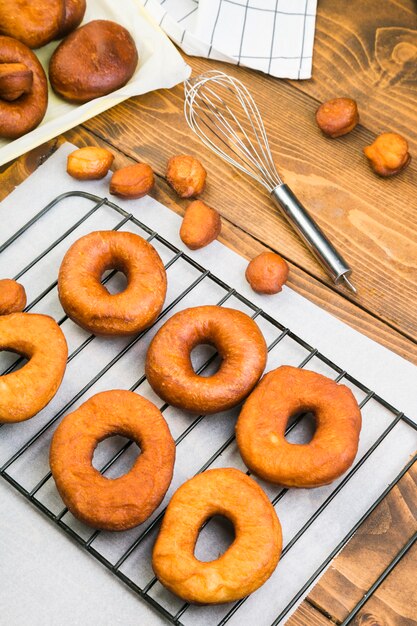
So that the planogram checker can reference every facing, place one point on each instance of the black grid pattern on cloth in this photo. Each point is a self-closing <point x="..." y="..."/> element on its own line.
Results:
<point x="263" y="34"/>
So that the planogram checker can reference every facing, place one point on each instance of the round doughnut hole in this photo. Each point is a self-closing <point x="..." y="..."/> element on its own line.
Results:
<point x="303" y="433"/>
<point x="8" y="358"/>
<point x="117" y="283"/>
<point x="201" y="354"/>
<point x="216" y="536"/>
<point x="109" y="448"/>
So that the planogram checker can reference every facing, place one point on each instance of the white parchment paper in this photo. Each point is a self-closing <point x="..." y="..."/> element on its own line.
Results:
<point x="382" y="371"/>
<point x="160" y="66"/>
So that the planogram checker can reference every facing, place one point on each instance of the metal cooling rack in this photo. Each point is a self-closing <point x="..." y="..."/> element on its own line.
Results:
<point x="87" y="544"/>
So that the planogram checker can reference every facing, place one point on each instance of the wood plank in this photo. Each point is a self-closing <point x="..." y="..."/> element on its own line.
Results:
<point x="394" y="603"/>
<point x="375" y="544"/>
<point x="368" y="51"/>
<point x="14" y="173"/>
<point x="361" y="213"/>
<point x="307" y="615"/>
<point x="238" y="240"/>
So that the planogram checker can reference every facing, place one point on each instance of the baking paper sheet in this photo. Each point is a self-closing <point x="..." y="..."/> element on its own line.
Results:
<point x="378" y="368"/>
<point x="160" y="66"/>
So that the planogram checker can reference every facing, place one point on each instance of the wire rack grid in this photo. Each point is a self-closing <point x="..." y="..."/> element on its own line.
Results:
<point x="32" y="445"/>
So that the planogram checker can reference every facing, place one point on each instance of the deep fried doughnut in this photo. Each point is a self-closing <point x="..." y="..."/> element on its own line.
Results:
<point x="26" y="391"/>
<point x="12" y="296"/>
<point x="239" y="342"/>
<point x="74" y="13"/>
<point x="124" y="502"/>
<point x="19" y="116"/>
<point x="87" y="301"/>
<point x="33" y="22"/>
<point x="94" y="60"/>
<point x="281" y="394"/>
<point x="246" y="564"/>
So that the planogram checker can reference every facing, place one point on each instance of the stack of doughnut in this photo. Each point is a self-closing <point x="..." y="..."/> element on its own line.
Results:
<point x="124" y="502"/>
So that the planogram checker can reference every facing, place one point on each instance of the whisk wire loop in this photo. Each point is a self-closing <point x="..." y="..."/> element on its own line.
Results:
<point x="219" y="127"/>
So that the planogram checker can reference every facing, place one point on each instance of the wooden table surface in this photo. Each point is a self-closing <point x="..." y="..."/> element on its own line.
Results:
<point x="368" y="51"/>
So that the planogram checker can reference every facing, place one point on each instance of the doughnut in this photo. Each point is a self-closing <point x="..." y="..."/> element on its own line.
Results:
<point x="74" y="13"/>
<point x="12" y="296"/>
<point x="33" y="22"/>
<point x="23" y="110"/>
<point x="26" y="391"/>
<point x="239" y="342"/>
<point x="200" y="226"/>
<point x="267" y="273"/>
<point x="94" y="60"/>
<point x="37" y="22"/>
<point x="246" y="564"/>
<point x="282" y="394"/>
<point x="124" y="502"/>
<point x="88" y="303"/>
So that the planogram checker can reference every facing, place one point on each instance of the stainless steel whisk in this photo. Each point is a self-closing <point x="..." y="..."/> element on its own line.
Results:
<point x="222" y="112"/>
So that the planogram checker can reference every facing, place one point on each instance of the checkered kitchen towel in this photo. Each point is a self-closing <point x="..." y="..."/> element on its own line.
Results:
<point x="274" y="36"/>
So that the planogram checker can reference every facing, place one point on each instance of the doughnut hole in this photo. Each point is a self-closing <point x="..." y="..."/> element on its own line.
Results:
<point x="200" y="354"/>
<point x="213" y="541"/>
<point x="305" y="431"/>
<point x="117" y="283"/>
<point x="9" y="357"/>
<point x="108" y="448"/>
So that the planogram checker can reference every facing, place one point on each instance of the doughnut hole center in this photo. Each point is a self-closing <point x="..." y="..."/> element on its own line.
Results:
<point x="10" y="358"/>
<point x="115" y="281"/>
<point x="215" y="537"/>
<point x="205" y="359"/>
<point x="109" y="449"/>
<point x="304" y="429"/>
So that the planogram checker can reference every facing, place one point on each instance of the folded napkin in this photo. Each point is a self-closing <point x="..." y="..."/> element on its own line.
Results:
<point x="274" y="36"/>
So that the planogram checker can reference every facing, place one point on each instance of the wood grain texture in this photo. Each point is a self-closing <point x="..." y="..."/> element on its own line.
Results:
<point x="307" y="615"/>
<point x="366" y="556"/>
<point x="361" y="213"/>
<point x="368" y="51"/>
<point x="394" y="603"/>
<point x="13" y="174"/>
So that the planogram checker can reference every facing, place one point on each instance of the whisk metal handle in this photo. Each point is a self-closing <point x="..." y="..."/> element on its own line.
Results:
<point x="312" y="235"/>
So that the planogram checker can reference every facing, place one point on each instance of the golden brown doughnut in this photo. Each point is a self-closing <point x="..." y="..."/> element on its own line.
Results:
<point x="239" y="342"/>
<point x="15" y="80"/>
<point x="19" y="116"/>
<point x="186" y="175"/>
<point x="245" y="565"/>
<point x="201" y="225"/>
<point x="94" y="60"/>
<point x="26" y="391"/>
<point x="281" y="394"/>
<point x="12" y="296"/>
<point x="267" y="273"/>
<point x="86" y="301"/>
<point x="33" y="22"/>
<point x="124" y="502"/>
<point x="74" y="11"/>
